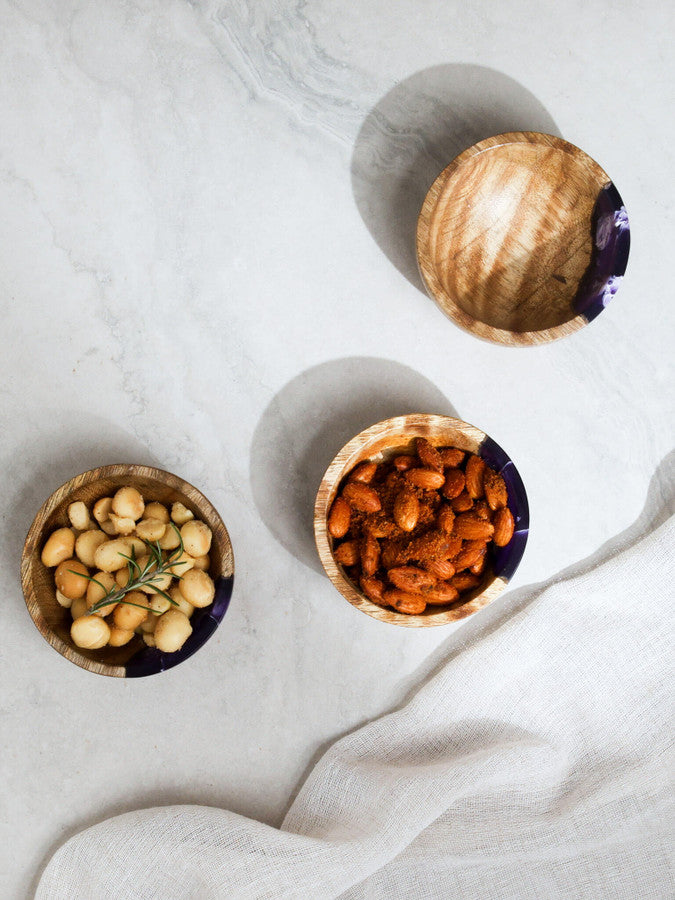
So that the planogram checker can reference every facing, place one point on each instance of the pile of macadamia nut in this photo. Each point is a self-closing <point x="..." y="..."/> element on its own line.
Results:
<point x="98" y="546"/>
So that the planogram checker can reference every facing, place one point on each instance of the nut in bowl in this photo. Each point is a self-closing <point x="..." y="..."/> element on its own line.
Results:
<point x="421" y="520"/>
<point x="127" y="570"/>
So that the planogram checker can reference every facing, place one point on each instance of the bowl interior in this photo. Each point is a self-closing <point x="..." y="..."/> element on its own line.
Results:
<point x="508" y="238"/>
<point x="397" y="436"/>
<point x="54" y="621"/>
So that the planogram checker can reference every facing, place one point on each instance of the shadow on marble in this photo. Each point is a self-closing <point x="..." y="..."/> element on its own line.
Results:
<point x="309" y="421"/>
<point x="54" y="454"/>
<point x="415" y="130"/>
<point x="658" y="508"/>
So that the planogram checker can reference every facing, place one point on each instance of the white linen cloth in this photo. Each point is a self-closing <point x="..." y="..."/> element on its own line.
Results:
<point x="535" y="764"/>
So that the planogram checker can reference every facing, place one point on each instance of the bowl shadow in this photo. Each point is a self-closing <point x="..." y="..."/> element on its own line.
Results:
<point x="50" y="459"/>
<point x="309" y="421"/>
<point x="415" y="131"/>
<point x="659" y="506"/>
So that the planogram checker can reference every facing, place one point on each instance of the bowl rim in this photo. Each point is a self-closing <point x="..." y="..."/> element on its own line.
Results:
<point x="150" y="663"/>
<point x="344" y="461"/>
<point x="435" y="289"/>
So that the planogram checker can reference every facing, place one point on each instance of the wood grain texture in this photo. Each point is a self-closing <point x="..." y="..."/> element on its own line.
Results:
<point x="381" y="442"/>
<point x="52" y="620"/>
<point x="505" y="237"/>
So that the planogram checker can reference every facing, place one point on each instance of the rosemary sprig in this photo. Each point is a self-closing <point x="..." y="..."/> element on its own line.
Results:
<point x="156" y="566"/>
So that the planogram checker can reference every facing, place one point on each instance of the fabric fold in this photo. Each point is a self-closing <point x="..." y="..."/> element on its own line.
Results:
<point x="534" y="764"/>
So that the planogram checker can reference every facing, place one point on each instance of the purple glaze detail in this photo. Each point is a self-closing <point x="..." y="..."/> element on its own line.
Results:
<point x="507" y="559"/>
<point x="611" y="242"/>
<point x="150" y="660"/>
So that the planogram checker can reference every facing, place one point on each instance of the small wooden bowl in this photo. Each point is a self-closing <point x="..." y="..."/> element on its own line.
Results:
<point x="397" y="436"/>
<point x="522" y="239"/>
<point x="53" y="621"/>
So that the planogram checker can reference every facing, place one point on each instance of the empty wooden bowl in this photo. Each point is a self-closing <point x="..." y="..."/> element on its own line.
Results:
<point x="394" y="437"/>
<point x="522" y="239"/>
<point x="53" y="621"/>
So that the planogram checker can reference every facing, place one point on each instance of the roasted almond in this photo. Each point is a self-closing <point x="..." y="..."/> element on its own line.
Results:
<point x="446" y="518"/>
<point x="411" y="604"/>
<point x="373" y="588"/>
<point x="362" y="497"/>
<point x="504" y="527"/>
<point x="462" y="503"/>
<point x="370" y="555"/>
<point x="339" y="518"/>
<point x="347" y="554"/>
<point x="454" y="483"/>
<point x="482" y="510"/>
<point x="473" y="474"/>
<point x="433" y="545"/>
<point x="451" y="456"/>
<point x="479" y="567"/>
<point x="428" y="454"/>
<point x="470" y="528"/>
<point x="465" y="582"/>
<point x="364" y="472"/>
<point x="443" y="569"/>
<point x="392" y="554"/>
<point x="379" y="525"/>
<point x="405" y="462"/>
<point x="411" y="579"/>
<point x="471" y="553"/>
<point x="406" y="510"/>
<point x="427" y="479"/>
<point x="441" y="594"/>
<point x="495" y="489"/>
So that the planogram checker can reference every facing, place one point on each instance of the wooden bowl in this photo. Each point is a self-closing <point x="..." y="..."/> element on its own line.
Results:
<point x="522" y="239"/>
<point x="134" y="659"/>
<point x="396" y="436"/>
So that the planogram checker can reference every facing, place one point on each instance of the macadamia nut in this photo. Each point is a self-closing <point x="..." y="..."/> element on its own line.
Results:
<point x="181" y="514"/>
<point x="128" y="503"/>
<point x="181" y="564"/>
<point x="198" y="588"/>
<point x="196" y="538"/>
<point x="79" y="516"/>
<point x="150" y="529"/>
<point x="159" y="605"/>
<point x="59" y="546"/>
<point x="97" y="590"/>
<point x="171" y="631"/>
<point x="156" y="510"/>
<point x="102" y="509"/>
<point x="119" y="636"/>
<point x="90" y="632"/>
<point x="109" y="557"/>
<point x="86" y="545"/>
<point x="129" y="617"/>
<point x="70" y="578"/>
<point x="78" y="608"/>
<point x="121" y="524"/>
<point x="66" y="602"/>
<point x="170" y="539"/>
<point x="180" y="601"/>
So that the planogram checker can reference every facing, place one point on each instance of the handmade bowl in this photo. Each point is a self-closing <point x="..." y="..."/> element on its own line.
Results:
<point x="397" y="436"/>
<point x="134" y="659"/>
<point x="522" y="239"/>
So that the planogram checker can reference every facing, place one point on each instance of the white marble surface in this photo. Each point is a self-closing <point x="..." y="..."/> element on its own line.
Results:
<point x="206" y="264"/>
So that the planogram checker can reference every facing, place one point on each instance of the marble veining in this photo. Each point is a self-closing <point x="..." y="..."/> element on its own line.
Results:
<point x="207" y="264"/>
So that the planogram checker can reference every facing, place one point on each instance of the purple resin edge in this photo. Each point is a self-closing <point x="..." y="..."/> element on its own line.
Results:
<point x="150" y="660"/>
<point x="611" y="246"/>
<point x="507" y="559"/>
